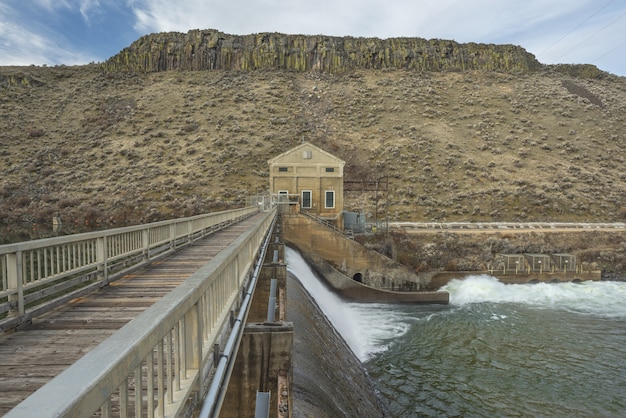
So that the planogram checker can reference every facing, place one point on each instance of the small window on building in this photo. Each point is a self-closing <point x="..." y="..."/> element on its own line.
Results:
<point x="330" y="169"/>
<point x="330" y="199"/>
<point x="283" y="169"/>
<point x="307" y="155"/>
<point x="306" y="199"/>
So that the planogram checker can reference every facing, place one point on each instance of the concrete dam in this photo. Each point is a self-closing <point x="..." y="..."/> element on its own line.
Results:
<point x="329" y="380"/>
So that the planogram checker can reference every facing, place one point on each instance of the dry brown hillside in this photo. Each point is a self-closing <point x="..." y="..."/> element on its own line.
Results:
<point x="94" y="146"/>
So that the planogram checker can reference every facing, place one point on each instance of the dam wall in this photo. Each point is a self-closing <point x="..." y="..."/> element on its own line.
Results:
<point x="328" y="379"/>
<point x="347" y="256"/>
<point x="352" y="290"/>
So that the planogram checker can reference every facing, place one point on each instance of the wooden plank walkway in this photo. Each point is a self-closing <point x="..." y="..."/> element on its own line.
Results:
<point x="32" y="356"/>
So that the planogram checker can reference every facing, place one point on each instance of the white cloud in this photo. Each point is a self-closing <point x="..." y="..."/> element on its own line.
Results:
<point x="52" y="5"/>
<point x="18" y="45"/>
<point x="86" y="8"/>
<point x="444" y="18"/>
<point x="21" y="45"/>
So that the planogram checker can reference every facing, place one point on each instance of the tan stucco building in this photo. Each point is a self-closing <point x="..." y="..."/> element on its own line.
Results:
<point x="310" y="177"/>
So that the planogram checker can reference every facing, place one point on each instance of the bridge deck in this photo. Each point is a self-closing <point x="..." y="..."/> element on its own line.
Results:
<point x="35" y="354"/>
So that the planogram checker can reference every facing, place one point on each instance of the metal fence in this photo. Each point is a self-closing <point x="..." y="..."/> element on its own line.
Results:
<point x="37" y="276"/>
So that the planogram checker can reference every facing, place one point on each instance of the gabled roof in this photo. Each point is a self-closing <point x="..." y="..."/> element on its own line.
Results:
<point x="305" y="147"/>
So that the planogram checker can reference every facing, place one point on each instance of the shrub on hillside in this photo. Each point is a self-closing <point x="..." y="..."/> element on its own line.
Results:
<point x="35" y="132"/>
<point x="22" y="201"/>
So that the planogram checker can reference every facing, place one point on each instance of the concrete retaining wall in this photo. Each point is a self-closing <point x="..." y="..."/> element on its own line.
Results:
<point x="354" y="291"/>
<point x="350" y="257"/>
<point x="441" y="278"/>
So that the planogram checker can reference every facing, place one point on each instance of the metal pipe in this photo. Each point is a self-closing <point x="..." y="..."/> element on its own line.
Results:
<point x="271" y="305"/>
<point x="262" y="407"/>
<point x="215" y="396"/>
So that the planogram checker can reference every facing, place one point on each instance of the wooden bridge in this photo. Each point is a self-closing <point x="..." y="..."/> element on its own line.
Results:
<point x="127" y="322"/>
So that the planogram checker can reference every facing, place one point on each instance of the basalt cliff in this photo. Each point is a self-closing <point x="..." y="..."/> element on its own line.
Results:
<point x="213" y="50"/>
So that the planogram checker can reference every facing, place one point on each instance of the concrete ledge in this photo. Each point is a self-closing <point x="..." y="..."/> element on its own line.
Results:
<point x="442" y="278"/>
<point x="354" y="291"/>
<point x="269" y="327"/>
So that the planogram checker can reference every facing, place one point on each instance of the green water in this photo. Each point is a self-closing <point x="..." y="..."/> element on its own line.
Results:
<point x="538" y="358"/>
<point x="535" y="350"/>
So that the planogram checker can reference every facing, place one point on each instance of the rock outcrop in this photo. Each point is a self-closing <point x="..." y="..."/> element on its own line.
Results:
<point x="213" y="50"/>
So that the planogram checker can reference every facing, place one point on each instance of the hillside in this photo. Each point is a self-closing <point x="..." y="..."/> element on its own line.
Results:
<point x="111" y="144"/>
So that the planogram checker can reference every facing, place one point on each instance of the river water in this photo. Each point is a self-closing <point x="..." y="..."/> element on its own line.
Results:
<point x="536" y="350"/>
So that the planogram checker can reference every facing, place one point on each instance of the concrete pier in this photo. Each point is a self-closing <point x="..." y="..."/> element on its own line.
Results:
<point x="264" y="358"/>
<point x="263" y="364"/>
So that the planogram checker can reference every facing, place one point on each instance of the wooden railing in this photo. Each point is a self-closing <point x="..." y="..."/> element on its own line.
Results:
<point x="161" y="363"/>
<point x="37" y="276"/>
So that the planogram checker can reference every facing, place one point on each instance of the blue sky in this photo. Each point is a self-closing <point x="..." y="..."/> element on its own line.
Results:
<point x="75" y="32"/>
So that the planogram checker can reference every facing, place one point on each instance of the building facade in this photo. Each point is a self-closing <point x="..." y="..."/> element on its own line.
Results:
<point x="311" y="178"/>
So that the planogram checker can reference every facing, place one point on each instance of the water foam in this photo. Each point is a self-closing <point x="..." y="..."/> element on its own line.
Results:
<point x="370" y="329"/>
<point x="604" y="299"/>
<point x="364" y="327"/>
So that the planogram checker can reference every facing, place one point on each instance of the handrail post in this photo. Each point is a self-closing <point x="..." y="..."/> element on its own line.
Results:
<point x="193" y="339"/>
<point x="14" y="281"/>
<point x="172" y="236"/>
<point x="101" y="258"/>
<point x="145" y="237"/>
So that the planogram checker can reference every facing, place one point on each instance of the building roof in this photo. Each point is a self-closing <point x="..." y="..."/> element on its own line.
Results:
<point x="306" y="147"/>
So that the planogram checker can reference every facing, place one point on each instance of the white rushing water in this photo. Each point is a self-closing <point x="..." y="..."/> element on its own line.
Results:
<point x="362" y="326"/>
<point x="605" y="299"/>
<point x="368" y="328"/>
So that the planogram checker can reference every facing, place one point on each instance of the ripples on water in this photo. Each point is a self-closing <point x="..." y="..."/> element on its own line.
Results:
<point x="497" y="350"/>
<point x="509" y="350"/>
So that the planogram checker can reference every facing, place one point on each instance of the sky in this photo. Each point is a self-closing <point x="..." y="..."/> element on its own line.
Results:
<point x="74" y="32"/>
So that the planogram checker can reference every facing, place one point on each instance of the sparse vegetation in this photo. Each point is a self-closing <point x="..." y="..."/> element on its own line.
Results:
<point x="452" y="251"/>
<point x="109" y="148"/>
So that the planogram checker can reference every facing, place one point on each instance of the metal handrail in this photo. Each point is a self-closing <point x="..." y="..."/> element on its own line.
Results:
<point x="507" y="225"/>
<point x="212" y="402"/>
<point x="322" y="221"/>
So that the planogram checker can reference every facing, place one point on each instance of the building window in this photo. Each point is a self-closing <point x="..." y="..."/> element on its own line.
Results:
<point x="306" y="199"/>
<point x="330" y="169"/>
<point x="307" y="155"/>
<point x="330" y="199"/>
<point x="283" y="169"/>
